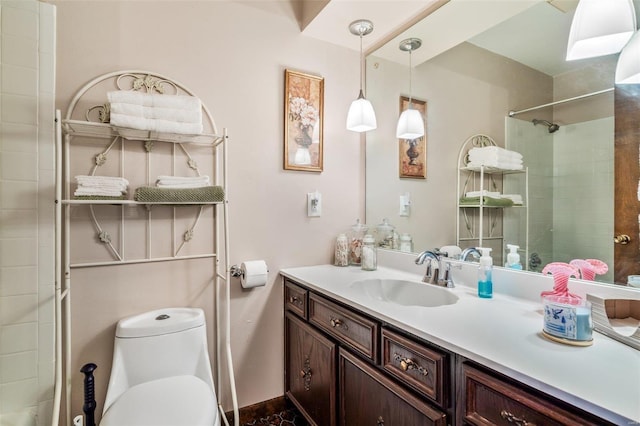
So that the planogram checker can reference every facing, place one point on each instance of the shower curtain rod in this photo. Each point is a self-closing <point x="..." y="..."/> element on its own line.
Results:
<point x="513" y="113"/>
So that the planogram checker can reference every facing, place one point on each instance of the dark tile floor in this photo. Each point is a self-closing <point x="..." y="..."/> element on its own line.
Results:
<point x="289" y="417"/>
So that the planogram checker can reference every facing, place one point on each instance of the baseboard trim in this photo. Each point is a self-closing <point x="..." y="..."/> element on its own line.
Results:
<point x="259" y="410"/>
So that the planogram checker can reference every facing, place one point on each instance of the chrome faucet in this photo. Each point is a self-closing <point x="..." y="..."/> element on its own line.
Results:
<point x="470" y="250"/>
<point x="434" y="277"/>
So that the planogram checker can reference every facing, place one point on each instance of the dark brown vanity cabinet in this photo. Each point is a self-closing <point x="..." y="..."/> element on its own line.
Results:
<point x="344" y="367"/>
<point x="354" y="388"/>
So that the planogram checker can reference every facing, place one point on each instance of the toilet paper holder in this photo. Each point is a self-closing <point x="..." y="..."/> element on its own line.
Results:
<point x="236" y="271"/>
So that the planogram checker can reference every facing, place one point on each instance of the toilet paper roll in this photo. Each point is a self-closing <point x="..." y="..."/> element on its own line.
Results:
<point x="254" y="273"/>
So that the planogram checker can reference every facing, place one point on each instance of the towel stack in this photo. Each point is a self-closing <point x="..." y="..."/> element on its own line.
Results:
<point x="492" y="198"/>
<point x="101" y="186"/>
<point x="154" y="112"/>
<point x="182" y="182"/>
<point x="494" y="156"/>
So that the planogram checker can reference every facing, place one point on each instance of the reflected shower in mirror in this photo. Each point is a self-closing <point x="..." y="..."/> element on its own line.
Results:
<point x="471" y="85"/>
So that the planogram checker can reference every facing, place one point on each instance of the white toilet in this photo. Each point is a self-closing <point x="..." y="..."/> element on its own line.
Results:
<point x="161" y="374"/>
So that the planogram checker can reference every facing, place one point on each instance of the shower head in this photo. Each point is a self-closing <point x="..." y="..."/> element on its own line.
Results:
<point x="552" y="126"/>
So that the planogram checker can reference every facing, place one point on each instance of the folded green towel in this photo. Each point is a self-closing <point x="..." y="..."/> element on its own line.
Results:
<point x="151" y="194"/>
<point x="98" y="197"/>
<point x="488" y="201"/>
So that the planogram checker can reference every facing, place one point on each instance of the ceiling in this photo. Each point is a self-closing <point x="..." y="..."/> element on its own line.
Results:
<point x="532" y="32"/>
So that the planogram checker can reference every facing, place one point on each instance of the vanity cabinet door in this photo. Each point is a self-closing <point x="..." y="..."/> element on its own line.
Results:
<point x="368" y="398"/>
<point x="310" y="372"/>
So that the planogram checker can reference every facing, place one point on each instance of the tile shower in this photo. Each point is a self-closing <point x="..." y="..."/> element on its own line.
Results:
<point x="570" y="189"/>
<point x="27" y="81"/>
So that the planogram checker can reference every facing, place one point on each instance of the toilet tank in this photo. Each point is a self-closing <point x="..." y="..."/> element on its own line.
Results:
<point x="159" y="344"/>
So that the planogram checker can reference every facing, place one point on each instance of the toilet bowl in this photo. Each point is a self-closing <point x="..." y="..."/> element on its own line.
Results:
<point x="161" y="374"/>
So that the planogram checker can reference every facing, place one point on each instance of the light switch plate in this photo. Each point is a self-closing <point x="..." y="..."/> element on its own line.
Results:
<point x="314" y="204"/>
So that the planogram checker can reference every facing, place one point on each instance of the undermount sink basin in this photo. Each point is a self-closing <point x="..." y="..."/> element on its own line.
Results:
<point x="405" y="293"/>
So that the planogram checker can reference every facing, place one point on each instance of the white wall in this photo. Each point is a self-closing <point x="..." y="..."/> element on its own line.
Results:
<point x="26" y="212"/>
<point x="233" y="57"/>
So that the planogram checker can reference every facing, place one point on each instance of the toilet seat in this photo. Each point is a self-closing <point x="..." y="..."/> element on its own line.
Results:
<point x="171" y="401"/>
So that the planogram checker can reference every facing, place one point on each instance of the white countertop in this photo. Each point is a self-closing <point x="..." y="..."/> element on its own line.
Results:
<point x="502" y="333"/>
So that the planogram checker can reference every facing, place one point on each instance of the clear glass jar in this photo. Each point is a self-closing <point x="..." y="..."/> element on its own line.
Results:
<point x="341" y="257"/>
<point x="369" y="253"/>
<point x="356" y="234"/>
<point x="406" y="244"/>
<point x="384" y="234"/>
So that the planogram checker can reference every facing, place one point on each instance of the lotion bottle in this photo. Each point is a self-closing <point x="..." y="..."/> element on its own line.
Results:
<point x="513" y="258"/>
<point x="485" y="269"/>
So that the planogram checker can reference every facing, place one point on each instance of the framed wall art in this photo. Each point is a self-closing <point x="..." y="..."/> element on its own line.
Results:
<point x="303" y="118"/>
<point x="412" y="153"/>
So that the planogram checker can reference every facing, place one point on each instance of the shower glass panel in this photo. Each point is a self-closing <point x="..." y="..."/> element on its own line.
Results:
<point x="571" y="190"/>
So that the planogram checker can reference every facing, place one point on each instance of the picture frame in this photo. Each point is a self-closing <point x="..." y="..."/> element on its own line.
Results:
<point x="303" y="121"/>
<point x="412" y="154"/>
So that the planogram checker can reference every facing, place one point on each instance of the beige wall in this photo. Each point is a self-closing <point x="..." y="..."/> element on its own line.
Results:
<point x="233" y="57"/>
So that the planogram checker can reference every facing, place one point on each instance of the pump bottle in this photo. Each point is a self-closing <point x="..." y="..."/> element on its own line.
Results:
<point x="485" y="269"/>
<point x="513" y="258"/>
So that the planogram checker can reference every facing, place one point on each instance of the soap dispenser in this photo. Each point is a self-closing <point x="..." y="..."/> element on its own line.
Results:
<point x="485" y="285"/>
<point x="513" y="258"/>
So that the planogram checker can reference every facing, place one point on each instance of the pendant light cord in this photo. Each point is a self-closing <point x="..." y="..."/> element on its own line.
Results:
<point x="410" y="51"/>
<point x="361" y="67"/>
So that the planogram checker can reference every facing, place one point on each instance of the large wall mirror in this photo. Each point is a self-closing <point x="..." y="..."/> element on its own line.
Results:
<point x="479" y="61"/>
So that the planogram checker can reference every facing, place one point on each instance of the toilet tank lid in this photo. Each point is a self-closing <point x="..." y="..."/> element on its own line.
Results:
<point x="160" y="321"/>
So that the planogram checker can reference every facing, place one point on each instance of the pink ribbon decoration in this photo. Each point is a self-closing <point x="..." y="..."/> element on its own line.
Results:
<point x="590" y="267"/>
<point x="561" y="273"/>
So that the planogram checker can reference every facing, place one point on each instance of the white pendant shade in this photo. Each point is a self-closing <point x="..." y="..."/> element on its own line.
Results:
<point x="600" y="27"/>
<point x="410" y="125"/>
<point x="361" y="117"/>
<point x="628" y="68"/>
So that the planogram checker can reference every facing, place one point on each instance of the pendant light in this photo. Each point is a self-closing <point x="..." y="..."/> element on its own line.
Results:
<point x="628" y="68"/>
<point x="410" y="124"/>
<point x="361" y="117"/>
<point x="600" y="27"/>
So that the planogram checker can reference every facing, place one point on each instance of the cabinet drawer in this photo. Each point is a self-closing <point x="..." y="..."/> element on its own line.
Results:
<point x="493" y="401"/>
<point x="416" y="365"/>
<point x="295" y="299"/>
<point x="367" y="397"/>
<point x="360" y="333"/>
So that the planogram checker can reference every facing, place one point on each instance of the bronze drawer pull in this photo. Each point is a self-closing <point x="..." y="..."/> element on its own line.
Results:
<point x="515" y="420"/>
<point x="409" y="364"/>
<point x="305" y="373"/>
<point x="337" y="323"/>
<point x="295" y="300"/>
<point x="380" y="421"/>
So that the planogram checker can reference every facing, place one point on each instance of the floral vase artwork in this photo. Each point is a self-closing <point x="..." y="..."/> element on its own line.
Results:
<point x="412" y="152"/>
<point x="306" y="116"/>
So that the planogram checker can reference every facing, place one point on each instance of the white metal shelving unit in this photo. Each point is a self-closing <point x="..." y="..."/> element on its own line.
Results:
<point x="95" y="130"/>
<point x="483" y="223"/>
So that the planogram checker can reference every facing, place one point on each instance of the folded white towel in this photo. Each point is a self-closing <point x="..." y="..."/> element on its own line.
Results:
<point x="155" y="125"/>
<point x="98" y="191"/>
<point x="154" y="100"/>
<point x="91" y="179"/>
<point x="494" y="152"/>
<point x="496" y="164"/>
<point x="472" y="194"/>
<point x="170" y="114"/>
